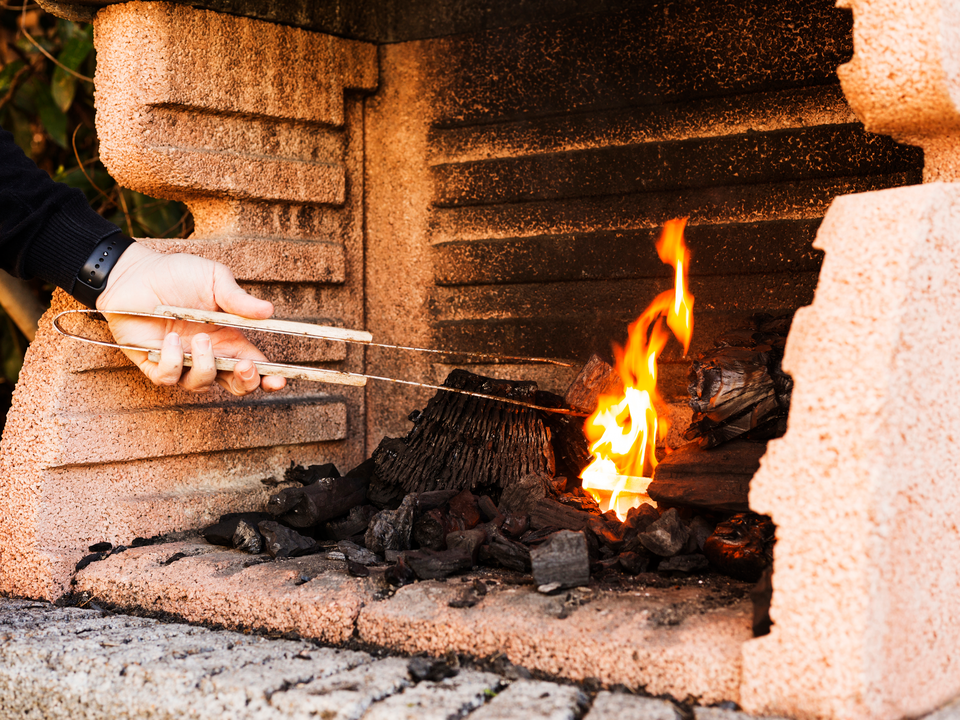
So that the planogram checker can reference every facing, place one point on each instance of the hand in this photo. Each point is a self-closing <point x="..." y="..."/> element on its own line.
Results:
<point x="143" y="279"/>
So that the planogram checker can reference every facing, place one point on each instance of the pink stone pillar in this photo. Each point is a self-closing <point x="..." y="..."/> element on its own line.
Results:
<point x="259" y="129"/>
<point x="864" y="487"/>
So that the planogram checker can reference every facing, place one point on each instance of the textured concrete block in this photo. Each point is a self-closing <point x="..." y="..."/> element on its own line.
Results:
<point x="618" y="706"/>
<point x="534" y="701"/>
<point x="864" y="624"/>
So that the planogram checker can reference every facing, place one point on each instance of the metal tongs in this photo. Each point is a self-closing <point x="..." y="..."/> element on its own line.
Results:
<point x="306" y="330"/>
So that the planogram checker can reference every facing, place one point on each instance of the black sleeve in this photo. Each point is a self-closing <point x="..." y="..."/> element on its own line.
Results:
<point x="47" y="229"/>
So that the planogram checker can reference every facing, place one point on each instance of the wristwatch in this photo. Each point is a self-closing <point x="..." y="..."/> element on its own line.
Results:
<point x="92" y="278"/>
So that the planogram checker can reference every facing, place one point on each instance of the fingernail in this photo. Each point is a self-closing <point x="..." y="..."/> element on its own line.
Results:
<point x="172" y="340"/>
<point x="202" y="341"/>
<point x="248" y="374"/>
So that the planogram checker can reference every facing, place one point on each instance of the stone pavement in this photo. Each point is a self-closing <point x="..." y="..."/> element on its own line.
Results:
<point x="82" y="663"/>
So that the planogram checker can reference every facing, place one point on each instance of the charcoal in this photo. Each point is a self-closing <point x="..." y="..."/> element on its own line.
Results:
<point x="101" y="547"/>
<point x="563" y="558"/>
<point x="223" y="531"/>
<point x="639" y="519"/>
<point x="247" y="538"/>
<point x="427" y="501"/>
<point x="87" y="559"/>
<point x="717" y="479"/>
<point x="488" y="508"/>
<point x="310" y="474"/>
<point x="550" y="513"/>
<point x="356" y="569"/>
<point x="465" y="507"/>
<point x="431" y="564"/>
<point x="634" y="563"/>
<point x="700" y="530"/>
<point x="400" y="573"/>
<point x="431" y="529"/>
<point x="610" y="534"/>
<point x="431" y="669"/>
<point x="281" y="541"/>
<point x="571" y="449"/>
<point x="511" y="555"/>
<point x="684" y="564"/>
<point x="471" y="595"/>
<point x="353" y="523"/>
<point x="596" y="378"/>
<point x="357" y="554"/>
<point x="466" y="442"/>
<point x="468" y="541"/>
<point x="522" y="496"/>
<point x="515" y="525"/>
<point x="741" y="546"/>
<point x="666" y="536"/>
<point x="324" y="500"/>
<point x="391" y="529"/>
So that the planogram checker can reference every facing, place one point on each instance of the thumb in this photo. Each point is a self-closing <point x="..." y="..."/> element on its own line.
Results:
<point x="233" y="299"/>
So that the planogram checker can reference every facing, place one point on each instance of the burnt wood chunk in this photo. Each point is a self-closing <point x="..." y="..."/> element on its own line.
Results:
<point x="431" y="564"/>
<point x="223" y="531"/>
<point x="437" y="498"/>
<point x="742" y="546"/>
<point x="468" y="541"/>
<point x="522" y="496"/>
<point x="310" y="474"/>
<point x="596" y="378"/>
<point x="667" y="536"/>
<point x="281" y="541"/>
<point x="550" y="513"/>
<point x="562" y="559"/>
<point x="512" y="555"/>
<point x="465" y="509"/>
<point x="738" y="388"/>
<point x="715" y="479"/>
<point x="247" y="538"/>
<point x="354" y="523"/>
<point x="391" y="529"/>
<point x="324" y="500"/>
<point x="465" y="442"/>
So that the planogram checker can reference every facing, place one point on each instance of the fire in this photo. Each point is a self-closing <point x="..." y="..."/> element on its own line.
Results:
<point x="623" y="430"/>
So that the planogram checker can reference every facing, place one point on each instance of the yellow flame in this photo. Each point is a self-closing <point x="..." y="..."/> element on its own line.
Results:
<point x="623" y="430"/>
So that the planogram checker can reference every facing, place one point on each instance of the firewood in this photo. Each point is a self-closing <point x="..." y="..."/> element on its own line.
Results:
<point x="563" y="559"/>
<point x="464" y="442"/>
<point x="742" y="546"/>
<point x="325" y="500"/>
<point x="595" y="379"/>
<point x="716" y="479"/>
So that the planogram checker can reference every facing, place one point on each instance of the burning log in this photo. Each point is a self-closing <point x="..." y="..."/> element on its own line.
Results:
<point x="739" y="389"/>
<point x="717" y="479"/>
<point x="595" y="379"/>
<point x="463" y="442"/>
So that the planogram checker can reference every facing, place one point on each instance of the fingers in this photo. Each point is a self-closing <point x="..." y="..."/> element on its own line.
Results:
<point x="168" y="370"/>
<point x="242" y="381"/>
<point x="204" y="371"/>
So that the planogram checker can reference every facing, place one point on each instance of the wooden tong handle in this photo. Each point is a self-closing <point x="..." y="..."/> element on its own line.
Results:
<point x="287" y="327"/>
<point x="294" y="372"/>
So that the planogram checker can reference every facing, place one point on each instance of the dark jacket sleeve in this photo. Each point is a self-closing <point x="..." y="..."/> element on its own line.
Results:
<point x="47" y="229"/>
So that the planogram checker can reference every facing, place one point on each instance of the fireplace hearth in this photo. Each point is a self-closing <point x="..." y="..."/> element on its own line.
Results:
<point x="490" y="177"/>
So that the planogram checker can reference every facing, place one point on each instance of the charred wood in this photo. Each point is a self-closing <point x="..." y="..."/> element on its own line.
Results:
<point x="465" y="509"/>
<point x="437" y="498"/>
<point x="432" y="564"/>
<point x="468" y="541"/>
<point x="739" y="389"/>
<point x="281" y="541"/>
<point x="223" y="531"/>
<point x="595" y="379"/>
<point x="522" y="496"/>
<point x="511" y="555"/>
<point x="247" y="538"/>
<point x="354" y="523"/>
<point x="667" y="536"/>
<point x="742" y="546"/>
<point x="562" y="559"/>
<point x="716" y="479"/>
<point x="391" y="529"/>
<point x="464" y="442"/>
<point x="310" y="474"/>
<point x="325" y="500"/>
<point x="550" y="513"/>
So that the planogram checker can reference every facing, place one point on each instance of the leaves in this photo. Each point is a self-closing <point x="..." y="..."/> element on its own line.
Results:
<point x="63" y="86"/>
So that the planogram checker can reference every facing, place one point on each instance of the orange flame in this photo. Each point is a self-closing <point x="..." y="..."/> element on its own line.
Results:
<point x="623" y="430"/>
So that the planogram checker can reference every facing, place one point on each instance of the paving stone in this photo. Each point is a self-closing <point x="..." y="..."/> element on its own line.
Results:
<point x="533" y="700"/>
<point x="345" y="695"/>
<point x="621" y="706"/>
<point x="452" y="697"/>
<point x="713" y="713"/>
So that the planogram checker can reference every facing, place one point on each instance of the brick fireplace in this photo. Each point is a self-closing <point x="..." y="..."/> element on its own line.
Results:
<point x="491" y="178"/>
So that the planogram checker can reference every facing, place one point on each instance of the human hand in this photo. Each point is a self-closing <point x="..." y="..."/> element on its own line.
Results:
<point x="143" y="279"/>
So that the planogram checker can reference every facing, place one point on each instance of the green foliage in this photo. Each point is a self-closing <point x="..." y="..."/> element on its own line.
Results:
<point x="46" y="101"/>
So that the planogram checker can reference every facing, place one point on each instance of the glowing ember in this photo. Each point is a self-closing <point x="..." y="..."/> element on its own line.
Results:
<point x="623" y="430"/>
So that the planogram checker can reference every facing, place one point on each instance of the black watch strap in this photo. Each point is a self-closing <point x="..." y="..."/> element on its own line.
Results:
<point x="92" y="278"/>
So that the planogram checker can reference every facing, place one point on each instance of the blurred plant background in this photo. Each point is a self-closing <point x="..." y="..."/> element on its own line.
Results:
<point x="46" y="100"/>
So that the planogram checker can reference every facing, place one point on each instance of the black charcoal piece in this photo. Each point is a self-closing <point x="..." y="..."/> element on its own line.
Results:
<point x="523" y="495"/>
<point x="431" y="529"/>
<point x="222" y="532"/>
<point x="667" y="536"/>
<point x="430" y="564"/>
<point x="634" y="563"/>
<point x="356" y="569"/>
<point x="357" y="554"/>
<point x="391" y="529"/>
<point x="100" y="547"/>
<point x="427" y="501"/>
<point x="563" y="559"/>
<point x="325" y="500"/>
<point x="281" y="541"/>
<point x="468" y="541"/>
<point x="741" y="546"/>
<point x="400" y="574"/>
<point x="465" y="508"/>
<point x="511" y="555"/>
<point x="247" y="538"/>
<point x="432" y="669"/>
<point x="355" y="522"/>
